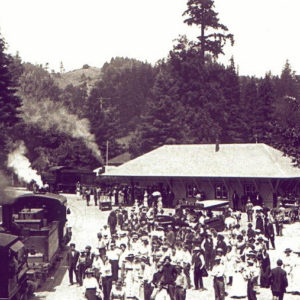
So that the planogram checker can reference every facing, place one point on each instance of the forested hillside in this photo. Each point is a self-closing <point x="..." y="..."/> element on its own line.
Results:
<point x="187" y="97"/>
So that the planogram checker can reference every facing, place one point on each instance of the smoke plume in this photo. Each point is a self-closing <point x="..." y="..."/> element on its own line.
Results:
<point x="48" y="114"/>
<point x="3" y="185"/>
<point x="21" y="165"/>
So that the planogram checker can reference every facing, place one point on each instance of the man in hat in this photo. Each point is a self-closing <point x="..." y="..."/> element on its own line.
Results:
<point x="279" y="281"/>
<point x="221" y="243"/>
<point x="218" y="273"/>
<point x="106" y="276"/>
<point x="169" y="275"/>
<point x="81" y="267"/>
<point x="250" y="231"/>
<point x="269" y="233"/>
<point x="72" y="259"/>
<point x="181" y="284"/>
<point x="89" y="257"/>
<point x="208" y="247"/>
<point x="198" y="266"/>
<point x="235" y="200"/>
<point x="113" y="256"/>
<point x="249" y="210"/>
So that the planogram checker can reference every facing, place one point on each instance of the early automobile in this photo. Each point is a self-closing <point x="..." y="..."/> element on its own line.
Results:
<point x="214" y="210"/>
<point x="105" y="203"/>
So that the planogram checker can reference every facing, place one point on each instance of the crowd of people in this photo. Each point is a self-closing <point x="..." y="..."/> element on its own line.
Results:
<point x="138" y="258"/>
<point x="124" y="195"/>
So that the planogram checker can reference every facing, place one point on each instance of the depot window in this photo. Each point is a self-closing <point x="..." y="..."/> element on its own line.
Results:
<point x="249" y="189"/>
<point x="221" y="191"/>
<point x="191" y="190"/>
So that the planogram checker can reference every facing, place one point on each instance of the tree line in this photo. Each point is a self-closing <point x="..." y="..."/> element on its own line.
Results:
<point x="187" y="97"/>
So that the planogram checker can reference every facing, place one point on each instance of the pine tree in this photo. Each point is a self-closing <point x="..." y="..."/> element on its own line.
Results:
<point x="265" y="109"/>
<point x="249" y="100"/>
<point x="162" y="121"/>
<point x="201" y="13"/>
<point x="235" y="127"/>
<point x="9" y="102"/>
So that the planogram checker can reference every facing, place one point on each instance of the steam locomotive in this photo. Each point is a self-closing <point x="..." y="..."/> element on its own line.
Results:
<point x="64" y="179"/>
<point x="32" y="236"/>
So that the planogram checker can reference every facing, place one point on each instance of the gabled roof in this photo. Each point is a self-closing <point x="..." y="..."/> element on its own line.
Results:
<point x="120" y="159"/>
<point x="232" y="160"/>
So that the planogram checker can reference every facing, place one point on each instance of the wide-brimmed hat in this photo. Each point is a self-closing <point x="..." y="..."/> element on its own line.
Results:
<point x="288" y="250"/>
<point x="260" y="237"/>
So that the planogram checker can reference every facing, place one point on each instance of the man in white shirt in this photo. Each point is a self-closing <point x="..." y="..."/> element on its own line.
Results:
<point x="217" y="272"/>
<point x="106" y="276"/>
<point x="113" y="256"/>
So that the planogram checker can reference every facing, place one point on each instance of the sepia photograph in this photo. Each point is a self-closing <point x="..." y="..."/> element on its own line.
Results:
<point x="149" y="150"/>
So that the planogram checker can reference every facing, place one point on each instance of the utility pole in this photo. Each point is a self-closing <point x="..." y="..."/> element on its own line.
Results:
<point x="106" y="153"/>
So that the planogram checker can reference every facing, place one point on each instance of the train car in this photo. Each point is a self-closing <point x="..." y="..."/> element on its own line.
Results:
<point x="64" y="179"/>
<point x="13" y="279"/>
<point x="40" y="221"/>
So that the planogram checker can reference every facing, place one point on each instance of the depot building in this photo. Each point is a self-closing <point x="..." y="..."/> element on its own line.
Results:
<point x="215" y="171"/>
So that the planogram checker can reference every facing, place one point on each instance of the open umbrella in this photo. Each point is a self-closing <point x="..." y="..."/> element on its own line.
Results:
<point x="156" y="193"/>
<point x="257" y="207"/>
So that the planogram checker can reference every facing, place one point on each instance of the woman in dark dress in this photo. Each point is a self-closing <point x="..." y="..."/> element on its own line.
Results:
<point x="265" y="268"/>
<point x="259" y="222"/>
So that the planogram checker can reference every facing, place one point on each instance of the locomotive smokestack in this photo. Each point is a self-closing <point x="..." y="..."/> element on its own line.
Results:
<point x="217" y="144"/>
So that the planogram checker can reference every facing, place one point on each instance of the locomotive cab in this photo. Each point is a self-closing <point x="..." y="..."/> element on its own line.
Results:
<point x="13" y="269"/>
<point x="40" y="219"/>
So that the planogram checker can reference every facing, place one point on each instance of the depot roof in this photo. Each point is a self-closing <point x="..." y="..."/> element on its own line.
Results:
<point x="232" y="160"/>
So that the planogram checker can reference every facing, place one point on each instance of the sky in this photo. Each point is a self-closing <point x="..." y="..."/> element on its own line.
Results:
<point x="78" y="32"/>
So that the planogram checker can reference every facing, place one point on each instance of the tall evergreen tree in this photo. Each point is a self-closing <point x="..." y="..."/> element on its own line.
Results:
<point x="264" y="109"/>
<point x="162" y="121"/>
<point x="249" y="100"/>
<point x="235" y="127"/>
<point x="213" y="34"/>
<point x="9" y="103"/>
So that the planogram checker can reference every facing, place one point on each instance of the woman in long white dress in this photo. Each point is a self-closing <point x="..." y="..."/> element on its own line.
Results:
<point x="229" y="260"/>
<point x="288" y="266"/>
<point x="239" y="284"/>
<point x="294" y="285"/>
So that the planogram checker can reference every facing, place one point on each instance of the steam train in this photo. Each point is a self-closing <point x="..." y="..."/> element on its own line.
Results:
<point x="32" y="237"/>
<point x="64" y="179"/>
